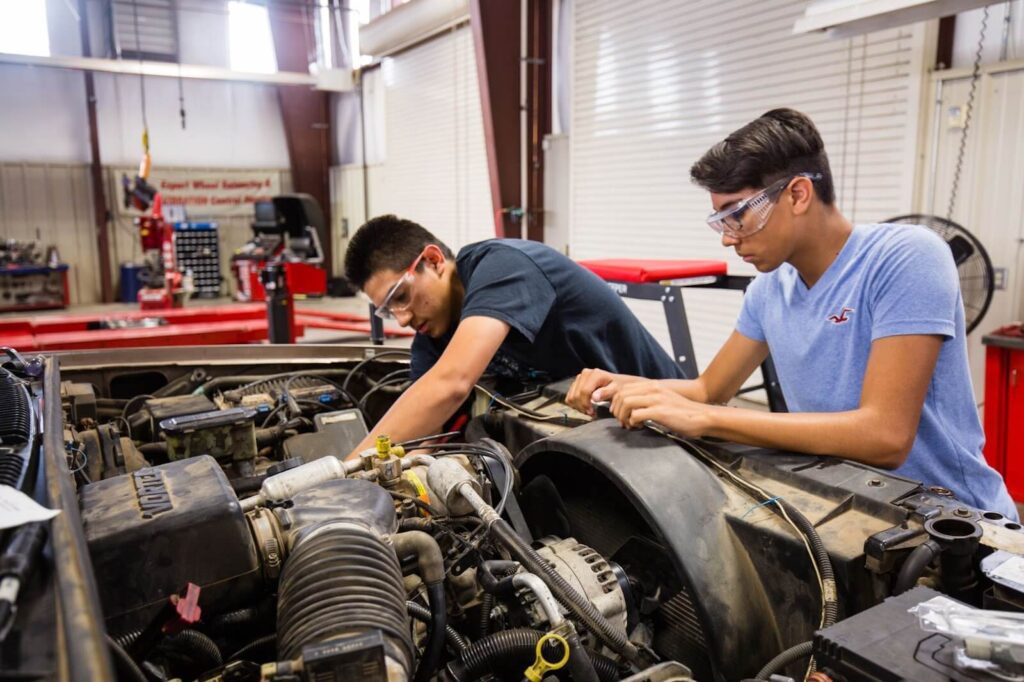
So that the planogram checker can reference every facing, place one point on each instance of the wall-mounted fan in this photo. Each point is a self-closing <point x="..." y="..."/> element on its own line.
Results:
<point x="977" y="280"/>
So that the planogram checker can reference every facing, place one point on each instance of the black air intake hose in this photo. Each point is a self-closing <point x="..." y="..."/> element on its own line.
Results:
<point x="510" y="652"/>
<point x="340" y="580"/>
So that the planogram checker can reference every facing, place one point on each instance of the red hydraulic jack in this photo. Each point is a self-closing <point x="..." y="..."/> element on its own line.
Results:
<point x="280" y="304"/>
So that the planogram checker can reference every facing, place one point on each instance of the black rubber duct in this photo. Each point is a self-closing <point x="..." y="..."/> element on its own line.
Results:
<point x="194" y="645"/>
<point x="234" y="619"/>
<point x="434" y="648"/>
<point x="422" y="613"/>
<point x="484" y="622"/>
<point x="341" y="579"/>
<point x="430" y="567"/>
<point x="959" y="539"/>
<point x="914" y="566"/>
<point x="495" y="576"/>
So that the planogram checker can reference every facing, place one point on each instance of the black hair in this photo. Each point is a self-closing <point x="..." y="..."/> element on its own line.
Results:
<point x="779" y="143"/>
<point x="386" y="242"/>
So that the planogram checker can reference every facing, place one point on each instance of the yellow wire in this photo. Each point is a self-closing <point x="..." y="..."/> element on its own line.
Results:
<point x="532" y="414"/>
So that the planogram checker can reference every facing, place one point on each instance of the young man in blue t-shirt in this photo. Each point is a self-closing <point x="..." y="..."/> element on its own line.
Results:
<point x="510" y="307"/>
<point x="865" y="325"/>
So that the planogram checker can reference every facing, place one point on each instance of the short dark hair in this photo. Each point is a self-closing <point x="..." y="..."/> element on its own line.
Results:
<point x="779" y="143"/>
<point x="386" y="242"/>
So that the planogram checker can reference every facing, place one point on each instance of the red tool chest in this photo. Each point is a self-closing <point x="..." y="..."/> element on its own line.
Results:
<point x="1004" y="406"/>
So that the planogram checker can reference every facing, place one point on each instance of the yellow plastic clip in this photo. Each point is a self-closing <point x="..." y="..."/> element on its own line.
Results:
<point x="383" y="446"/>
<point x="541" y="666"/>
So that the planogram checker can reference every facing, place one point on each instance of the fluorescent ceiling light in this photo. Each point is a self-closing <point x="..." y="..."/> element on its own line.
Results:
<point x="845" y="18"/>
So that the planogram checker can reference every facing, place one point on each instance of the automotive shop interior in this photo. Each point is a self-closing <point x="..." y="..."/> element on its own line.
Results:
<point x="453" y="340"/>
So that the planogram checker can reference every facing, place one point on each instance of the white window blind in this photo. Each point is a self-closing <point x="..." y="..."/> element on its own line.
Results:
<point x="434" y="169"/>
<point x="655" y="84"/>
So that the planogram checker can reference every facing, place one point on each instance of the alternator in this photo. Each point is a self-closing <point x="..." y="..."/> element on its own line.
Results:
<point x="590" y="573"/>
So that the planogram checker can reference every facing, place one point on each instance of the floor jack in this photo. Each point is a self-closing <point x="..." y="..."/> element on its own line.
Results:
<point x="280" y="305"/>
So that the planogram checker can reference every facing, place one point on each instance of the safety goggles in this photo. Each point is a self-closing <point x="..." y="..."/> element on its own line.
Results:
<point x="749" y="216"/>
<point x="399" y="296"/>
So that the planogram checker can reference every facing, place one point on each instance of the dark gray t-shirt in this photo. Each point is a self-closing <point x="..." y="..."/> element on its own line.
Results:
<point x="563" y="318"/>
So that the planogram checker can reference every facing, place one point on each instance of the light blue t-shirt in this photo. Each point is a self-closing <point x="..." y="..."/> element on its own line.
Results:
<point x="888" y="280"/>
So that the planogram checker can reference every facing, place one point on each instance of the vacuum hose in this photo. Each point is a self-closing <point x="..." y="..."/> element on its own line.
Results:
<point x="342" y="579"/>
<point x="791" y="655"/>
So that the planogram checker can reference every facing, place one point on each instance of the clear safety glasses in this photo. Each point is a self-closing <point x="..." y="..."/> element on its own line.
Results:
<point x="749" y="216"/>
<point x="399" y="296"/>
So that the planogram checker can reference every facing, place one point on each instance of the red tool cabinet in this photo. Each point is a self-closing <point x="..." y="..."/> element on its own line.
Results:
<point x="1004" y="407"/>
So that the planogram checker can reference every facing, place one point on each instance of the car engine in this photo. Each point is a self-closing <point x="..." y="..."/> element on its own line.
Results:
<point x="210" y="528"/>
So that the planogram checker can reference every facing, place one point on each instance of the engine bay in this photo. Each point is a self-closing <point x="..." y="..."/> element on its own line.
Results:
<point x="211" y="529"/>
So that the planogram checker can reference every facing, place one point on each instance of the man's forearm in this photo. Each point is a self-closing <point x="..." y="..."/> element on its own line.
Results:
<point x="692" y="389"/>
<point x="420" y="411"/>
<point x="852" y="434"/>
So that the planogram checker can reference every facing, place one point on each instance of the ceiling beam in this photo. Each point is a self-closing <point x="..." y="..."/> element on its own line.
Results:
<point x="335" y="80"/>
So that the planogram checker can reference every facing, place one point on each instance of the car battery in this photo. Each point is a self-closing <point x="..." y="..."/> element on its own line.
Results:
<point x="225" y="435"/>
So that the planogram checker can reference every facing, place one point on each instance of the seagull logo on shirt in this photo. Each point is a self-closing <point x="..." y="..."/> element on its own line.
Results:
<point x="841" y="317"/>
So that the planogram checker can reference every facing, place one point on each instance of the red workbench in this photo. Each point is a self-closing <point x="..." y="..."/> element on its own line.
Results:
<point x="649" y="279"/>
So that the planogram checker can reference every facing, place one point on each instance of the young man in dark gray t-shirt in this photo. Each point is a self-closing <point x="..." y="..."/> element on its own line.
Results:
<point x="512" y="307"/>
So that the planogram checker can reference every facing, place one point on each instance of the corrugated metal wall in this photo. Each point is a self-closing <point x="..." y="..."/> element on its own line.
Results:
<point x="52" y="203"/>
<point x="234" y="231"/>
<point x="655" y="84"/>
<point x="434" y="168"/>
